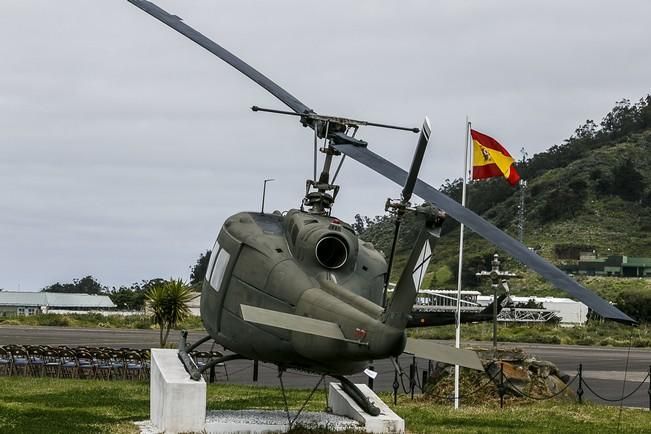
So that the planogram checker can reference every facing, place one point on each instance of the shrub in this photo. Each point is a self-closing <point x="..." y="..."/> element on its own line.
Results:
<point x="636" y="303"/>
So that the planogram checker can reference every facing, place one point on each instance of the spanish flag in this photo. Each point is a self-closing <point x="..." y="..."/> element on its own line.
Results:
<point x="490" y="159"/>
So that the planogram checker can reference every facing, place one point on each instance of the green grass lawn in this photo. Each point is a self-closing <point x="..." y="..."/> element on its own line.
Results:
<point x="593" y="333"/>
<point x="95" y="320"/>
<point x="43" y="405"/>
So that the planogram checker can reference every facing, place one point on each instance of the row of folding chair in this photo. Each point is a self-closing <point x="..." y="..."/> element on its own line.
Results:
<point x="80" y="362"/>
<point x="201" y="358"/>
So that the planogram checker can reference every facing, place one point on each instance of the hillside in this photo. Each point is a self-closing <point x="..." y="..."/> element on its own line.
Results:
<point x="593" y="192"/>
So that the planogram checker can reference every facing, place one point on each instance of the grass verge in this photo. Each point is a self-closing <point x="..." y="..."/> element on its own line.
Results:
<point x="44" y="405"/>
<point x="95" y="320"/>
<point x="593" y="333"/>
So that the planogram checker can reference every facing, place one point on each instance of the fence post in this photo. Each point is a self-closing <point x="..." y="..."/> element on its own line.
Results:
<point x="370" y="379"/>
<point x="579" y="390"/>
<point x="412" y="376"/>
<point x="255" y="371"/>
<point x="395" y="387"/>
<point x="425" y="378"/>
<point x="649" y="391"/>
<point x="501" y="388"/>
<point x="212" y="374"/>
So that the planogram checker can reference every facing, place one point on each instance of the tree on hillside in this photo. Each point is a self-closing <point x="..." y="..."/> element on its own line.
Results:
<point x="168" y="304"/>
<point x="624" y="181"/>
<point x="199" y="269"/>
<point x="85" y="285"/>
<point x="628" y="182"/>
<point x="358" y="225"/>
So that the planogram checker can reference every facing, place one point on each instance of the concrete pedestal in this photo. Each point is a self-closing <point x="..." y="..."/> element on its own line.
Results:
<point x="342" y="404"/>
<point x="176" y="403"/>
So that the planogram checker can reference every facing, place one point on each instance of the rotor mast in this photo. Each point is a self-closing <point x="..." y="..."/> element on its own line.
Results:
<point x="320" y="194"/>
<point x="323" y="194"/>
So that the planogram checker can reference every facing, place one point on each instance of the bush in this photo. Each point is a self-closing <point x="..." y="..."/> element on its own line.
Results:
<point x="636" y="303"/>
<point x="54" y="320"/>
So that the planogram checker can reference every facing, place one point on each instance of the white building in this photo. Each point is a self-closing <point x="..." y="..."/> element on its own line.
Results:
<point x="32" y="303"/>
<point x="569" y="311"/>
<point x="195" y="305"/>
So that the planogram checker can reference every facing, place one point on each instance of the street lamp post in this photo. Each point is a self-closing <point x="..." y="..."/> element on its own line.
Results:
<point x="264" y="191"/>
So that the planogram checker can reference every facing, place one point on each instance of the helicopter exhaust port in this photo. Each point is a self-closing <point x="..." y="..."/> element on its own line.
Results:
<point x="331" y="252"/>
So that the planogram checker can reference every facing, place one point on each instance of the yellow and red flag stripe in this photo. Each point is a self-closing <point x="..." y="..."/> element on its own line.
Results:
<point x="490" y="159"/>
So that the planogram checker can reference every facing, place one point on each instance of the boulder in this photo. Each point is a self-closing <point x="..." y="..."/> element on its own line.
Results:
<point x="524" y="377"/>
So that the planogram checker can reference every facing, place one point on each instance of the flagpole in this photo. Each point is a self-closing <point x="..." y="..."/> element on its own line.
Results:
<point x="458" y="314"/>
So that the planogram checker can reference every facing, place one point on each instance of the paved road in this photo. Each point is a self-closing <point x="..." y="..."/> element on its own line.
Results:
<point x="603" y="368"/>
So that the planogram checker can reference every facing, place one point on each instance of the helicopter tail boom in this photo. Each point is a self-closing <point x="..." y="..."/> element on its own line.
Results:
<point x="420" y="348"/>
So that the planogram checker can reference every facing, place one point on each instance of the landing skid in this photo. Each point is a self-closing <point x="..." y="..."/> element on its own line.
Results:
<point x="190" y="365"/>
<point x="353" y="391"/>
<point x="349" y="387"/>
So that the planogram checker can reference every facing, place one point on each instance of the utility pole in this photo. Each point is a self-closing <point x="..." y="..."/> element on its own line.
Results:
<point x="496" y="276"/>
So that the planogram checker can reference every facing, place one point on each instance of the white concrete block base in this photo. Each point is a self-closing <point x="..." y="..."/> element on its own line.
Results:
<point x="176" y="402"/>
<point x="342" y="404"/>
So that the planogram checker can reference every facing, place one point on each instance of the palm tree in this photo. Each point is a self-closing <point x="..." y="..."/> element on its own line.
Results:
<point x="167" y="300"/>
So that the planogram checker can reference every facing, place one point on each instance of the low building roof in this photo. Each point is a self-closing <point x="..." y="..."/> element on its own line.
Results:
<point x="637" y="262"/>
<point x="11" y="298"/>
<point x="54" y="300"/>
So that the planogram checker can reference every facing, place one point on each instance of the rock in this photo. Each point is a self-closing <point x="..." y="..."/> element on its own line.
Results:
<point x="542" y="368"/>
<point x="524" y="376"/>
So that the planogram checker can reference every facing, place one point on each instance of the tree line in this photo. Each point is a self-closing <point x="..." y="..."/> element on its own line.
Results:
<point x="131" y="297"/>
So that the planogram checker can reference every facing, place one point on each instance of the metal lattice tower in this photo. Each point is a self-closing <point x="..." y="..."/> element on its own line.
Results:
<point x="521" y="212"/>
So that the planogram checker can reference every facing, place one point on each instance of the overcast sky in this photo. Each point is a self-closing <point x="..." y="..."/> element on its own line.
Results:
<point x="124" y="146"/>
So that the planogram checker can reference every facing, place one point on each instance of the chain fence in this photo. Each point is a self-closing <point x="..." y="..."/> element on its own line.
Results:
<point x="502" y="383"/>
<point x="123" y="364"/>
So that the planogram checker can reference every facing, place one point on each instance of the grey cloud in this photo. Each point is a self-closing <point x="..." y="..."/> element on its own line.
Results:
<point x="124" y="146"/>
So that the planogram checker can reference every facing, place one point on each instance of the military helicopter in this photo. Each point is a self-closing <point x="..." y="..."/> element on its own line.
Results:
<point x="302" y="291"/>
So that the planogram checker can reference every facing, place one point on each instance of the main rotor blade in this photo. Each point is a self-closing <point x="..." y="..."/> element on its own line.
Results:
<point x="483" y="228"/>
<point x="443" y="353"/>
<point x="177" y="24"/>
